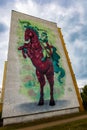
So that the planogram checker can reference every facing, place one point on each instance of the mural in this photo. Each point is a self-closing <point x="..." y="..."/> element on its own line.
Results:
<point x="38" y="82"/>
<point x="42" y="74"/>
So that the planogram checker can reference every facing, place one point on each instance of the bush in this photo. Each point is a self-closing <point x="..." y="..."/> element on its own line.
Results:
<point x="84" y="97"/>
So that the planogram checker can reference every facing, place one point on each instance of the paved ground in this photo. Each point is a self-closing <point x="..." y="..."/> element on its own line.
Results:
<point x="39" y="127"/>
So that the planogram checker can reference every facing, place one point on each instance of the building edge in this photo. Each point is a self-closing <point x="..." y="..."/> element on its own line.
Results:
<point x="3" y="85"/>
<point x="71" y="71"/>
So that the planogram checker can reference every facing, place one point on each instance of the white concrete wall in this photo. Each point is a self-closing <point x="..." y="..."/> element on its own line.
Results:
<point x="17" y="105"/>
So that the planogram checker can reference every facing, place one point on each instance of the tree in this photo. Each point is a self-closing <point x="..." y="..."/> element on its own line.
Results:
<point x="84" y="96"/>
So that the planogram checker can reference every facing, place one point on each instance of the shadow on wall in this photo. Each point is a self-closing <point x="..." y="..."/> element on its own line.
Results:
<point x="34" y="108"/>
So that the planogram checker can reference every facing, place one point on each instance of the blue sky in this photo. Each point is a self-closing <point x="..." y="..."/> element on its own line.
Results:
<point x="70" y="16"/>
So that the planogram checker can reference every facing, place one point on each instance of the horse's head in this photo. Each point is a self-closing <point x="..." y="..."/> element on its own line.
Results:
<point x="28" y="34"/>
<point x="31" y="36"/>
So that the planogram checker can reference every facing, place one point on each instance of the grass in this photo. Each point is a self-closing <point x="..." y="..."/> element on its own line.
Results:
<point x="75" y="125"/>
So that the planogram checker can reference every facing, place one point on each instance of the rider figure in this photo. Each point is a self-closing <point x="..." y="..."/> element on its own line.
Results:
<point x="47" y="49"/>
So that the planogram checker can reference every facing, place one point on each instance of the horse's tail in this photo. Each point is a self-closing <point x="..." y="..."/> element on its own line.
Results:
<point x="57" y="69"/>
<point x="61" y="74"/>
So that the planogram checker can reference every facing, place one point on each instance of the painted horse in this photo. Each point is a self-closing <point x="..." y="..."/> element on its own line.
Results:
<point x="33" y="49"/>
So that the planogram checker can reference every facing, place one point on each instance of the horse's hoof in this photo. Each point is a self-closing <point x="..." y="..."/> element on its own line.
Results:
<point x="52" y="103"/>
<point x="41" y="102"/>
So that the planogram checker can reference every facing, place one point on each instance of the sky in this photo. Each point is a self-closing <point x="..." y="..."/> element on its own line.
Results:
<point x="70" y="16"/>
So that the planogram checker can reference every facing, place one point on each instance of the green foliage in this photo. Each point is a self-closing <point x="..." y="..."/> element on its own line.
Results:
<point x="84" y="96"/>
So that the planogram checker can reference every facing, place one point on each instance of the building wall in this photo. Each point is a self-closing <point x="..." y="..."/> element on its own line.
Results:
<point x="22" y="89"/>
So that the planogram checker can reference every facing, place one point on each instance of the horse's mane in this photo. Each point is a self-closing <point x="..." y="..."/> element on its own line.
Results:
<point x="35" y="29"/>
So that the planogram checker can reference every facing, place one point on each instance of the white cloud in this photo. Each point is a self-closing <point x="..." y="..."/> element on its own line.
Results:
<point x="28" y="7"/>
<point x="81" y="83"/>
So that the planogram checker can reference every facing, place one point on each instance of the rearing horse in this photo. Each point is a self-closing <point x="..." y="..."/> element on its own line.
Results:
<point x="33" y="49"/>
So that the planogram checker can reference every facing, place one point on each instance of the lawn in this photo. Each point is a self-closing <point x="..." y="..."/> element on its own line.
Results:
<point x="75" y="125"/>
